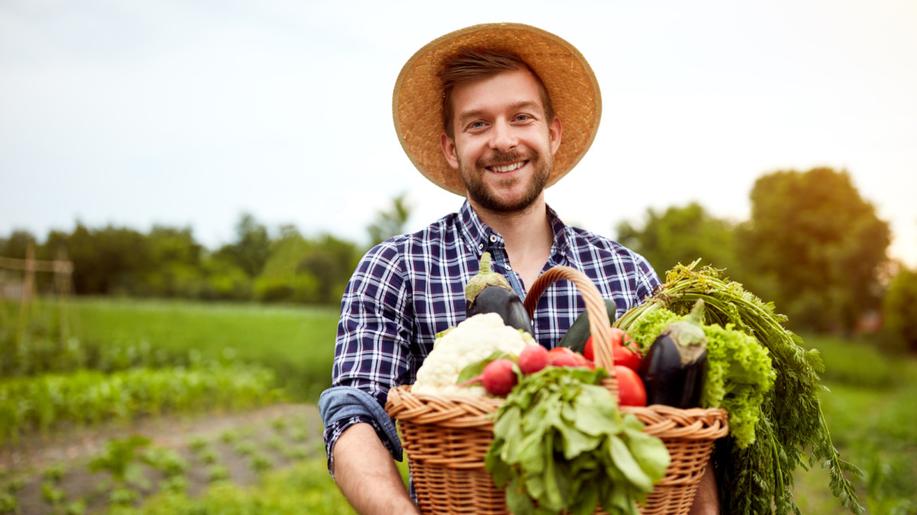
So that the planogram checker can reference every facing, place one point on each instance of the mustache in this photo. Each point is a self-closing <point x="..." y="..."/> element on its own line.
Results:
<point x="501" y="158"/>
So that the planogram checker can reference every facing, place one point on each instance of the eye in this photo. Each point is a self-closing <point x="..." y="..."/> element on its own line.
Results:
<point x="523" y="117"/>
<point x="476" y="125"/>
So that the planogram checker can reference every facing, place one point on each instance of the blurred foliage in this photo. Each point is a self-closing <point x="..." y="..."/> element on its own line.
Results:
<point x="390" y="222"/>
<point x="682" y="235"/>
<point x="815" y="247"/>
<point x="899" y="308"/>
<point x="168" y="262"/>
<point x="252" y="247"/>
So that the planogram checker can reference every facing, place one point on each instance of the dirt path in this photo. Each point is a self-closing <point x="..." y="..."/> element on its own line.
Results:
<point x="37" y="451"/>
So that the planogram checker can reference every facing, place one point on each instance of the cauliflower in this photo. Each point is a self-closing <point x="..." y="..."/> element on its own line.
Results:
<point x="471" y="341"/>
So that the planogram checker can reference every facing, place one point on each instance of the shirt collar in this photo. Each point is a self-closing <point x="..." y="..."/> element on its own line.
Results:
<point x="480" y="237"/>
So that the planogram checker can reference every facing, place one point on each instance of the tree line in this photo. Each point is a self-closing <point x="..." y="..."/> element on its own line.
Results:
<point x="812" y="244"/>
<point x="280" y="265"/>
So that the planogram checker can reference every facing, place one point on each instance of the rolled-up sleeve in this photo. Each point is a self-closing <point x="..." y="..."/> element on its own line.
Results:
<point x="372" y="349"/>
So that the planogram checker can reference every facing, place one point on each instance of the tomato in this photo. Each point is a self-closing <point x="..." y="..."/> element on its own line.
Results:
<point x="627" y="356"/>
<point x="619" y="337"/>
<point x="631" y="391"/>
<point x="564" y="357"/>
<point x="587" y="350"/>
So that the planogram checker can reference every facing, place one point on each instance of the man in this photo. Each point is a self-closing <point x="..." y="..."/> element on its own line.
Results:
<point x="494" y="113"/>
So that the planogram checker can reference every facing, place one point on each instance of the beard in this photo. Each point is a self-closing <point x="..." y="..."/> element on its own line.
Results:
<point x="473" y="177"/>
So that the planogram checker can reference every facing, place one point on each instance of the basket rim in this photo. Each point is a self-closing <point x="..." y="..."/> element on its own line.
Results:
<point x="478" y="412"/>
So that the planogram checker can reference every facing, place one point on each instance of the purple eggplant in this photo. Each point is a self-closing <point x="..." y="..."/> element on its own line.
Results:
<point x="490" y="292"/>
<point x="675" y="366"/>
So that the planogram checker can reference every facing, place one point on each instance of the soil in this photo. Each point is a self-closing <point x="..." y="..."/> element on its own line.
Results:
<point x="281" y="434"/>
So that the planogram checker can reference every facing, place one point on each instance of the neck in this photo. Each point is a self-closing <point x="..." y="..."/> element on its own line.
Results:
<point x="527" y="234"/>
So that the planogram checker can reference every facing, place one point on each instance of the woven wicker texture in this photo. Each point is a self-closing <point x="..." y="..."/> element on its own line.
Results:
<point x="446" y="438"/>
<point x="570" y="82"/>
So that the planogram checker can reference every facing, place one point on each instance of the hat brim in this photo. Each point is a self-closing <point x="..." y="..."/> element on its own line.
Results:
<point x="568" y="78"/>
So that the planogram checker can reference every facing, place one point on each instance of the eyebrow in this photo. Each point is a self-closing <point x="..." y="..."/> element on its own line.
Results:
<point x="522" y="104"/>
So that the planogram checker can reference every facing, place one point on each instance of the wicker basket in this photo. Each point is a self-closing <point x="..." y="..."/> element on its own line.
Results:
<point x="447" y="437"/>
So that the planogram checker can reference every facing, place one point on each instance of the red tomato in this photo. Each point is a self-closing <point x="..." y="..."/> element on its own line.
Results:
<point x="618" y="337"/>
<point x="631" y="391"/>
<point x="587" y="350"/>
<point x="627" y="356"/>
<point x="562" y="357"/>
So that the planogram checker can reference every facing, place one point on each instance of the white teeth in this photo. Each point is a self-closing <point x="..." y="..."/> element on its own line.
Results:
<point x="508" y="168"/>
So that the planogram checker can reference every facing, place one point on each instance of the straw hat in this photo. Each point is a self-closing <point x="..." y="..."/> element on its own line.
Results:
<point x="417" y="99"/>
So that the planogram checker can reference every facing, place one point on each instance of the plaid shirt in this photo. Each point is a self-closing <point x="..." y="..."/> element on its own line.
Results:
<point x="408" y="288"/>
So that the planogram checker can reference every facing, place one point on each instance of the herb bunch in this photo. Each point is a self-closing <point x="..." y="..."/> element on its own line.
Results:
<point x="759" y="477"/>
<point x="561" y="445"/>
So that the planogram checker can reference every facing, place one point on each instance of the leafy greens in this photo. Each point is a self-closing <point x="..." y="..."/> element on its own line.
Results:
<point x="561" y="445"/>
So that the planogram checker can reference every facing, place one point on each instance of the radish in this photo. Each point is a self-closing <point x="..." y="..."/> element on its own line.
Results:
<point x="499" y="377"/>
<point x="532" y="359"/>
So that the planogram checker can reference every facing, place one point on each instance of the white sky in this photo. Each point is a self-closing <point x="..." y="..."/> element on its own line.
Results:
<point x="188" y="112"/>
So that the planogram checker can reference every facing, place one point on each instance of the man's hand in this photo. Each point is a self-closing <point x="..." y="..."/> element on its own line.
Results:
<point x="706" y="501"/>
<point x="366" y="474"/>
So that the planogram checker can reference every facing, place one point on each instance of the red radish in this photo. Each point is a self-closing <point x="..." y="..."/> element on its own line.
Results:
<point x="499" y="377"/>
<point x="532" y="359"/>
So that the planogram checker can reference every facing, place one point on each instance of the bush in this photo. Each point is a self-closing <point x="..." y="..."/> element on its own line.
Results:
<point x="899" y="309"/>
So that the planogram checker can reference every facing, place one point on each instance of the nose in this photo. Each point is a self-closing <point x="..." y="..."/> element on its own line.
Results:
<point x="503" y="137"/>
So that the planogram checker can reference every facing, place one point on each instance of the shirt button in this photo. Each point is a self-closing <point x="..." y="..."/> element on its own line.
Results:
<point x="493" y="238"/>
<point x="508" y="267"/>
<point x="480" y="246"/>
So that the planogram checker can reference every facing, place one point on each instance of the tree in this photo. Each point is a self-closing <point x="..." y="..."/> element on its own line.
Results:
<point x="682" y="235"/>
<point x="390" y="222"/>
<point x="817" y="244"/>
<point x="252" y="246"/>
<point x="899" y="308"/>
<point x="110" y="260"/>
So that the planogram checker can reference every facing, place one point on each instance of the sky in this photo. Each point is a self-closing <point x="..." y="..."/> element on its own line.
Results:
<point x="187" y="113"/>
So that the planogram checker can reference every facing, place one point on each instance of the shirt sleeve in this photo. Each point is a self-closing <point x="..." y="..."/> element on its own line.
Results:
<point x="647" y="280"/>
<point x="372" y="348"/>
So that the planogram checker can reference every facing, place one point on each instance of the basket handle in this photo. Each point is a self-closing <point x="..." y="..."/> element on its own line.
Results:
<point x="599" y="325"/>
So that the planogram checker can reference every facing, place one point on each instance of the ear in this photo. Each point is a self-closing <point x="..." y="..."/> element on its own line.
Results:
<point x="555" y="131"/>
<point x="448" y="147"/>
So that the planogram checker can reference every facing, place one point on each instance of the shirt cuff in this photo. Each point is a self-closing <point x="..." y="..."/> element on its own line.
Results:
<point x="343" y="403"/>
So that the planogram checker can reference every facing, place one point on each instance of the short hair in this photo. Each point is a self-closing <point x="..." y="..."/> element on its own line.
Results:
<point x="474" y="64"/>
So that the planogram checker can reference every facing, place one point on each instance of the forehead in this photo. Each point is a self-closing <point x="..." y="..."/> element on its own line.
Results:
<point x="497" y="92"/>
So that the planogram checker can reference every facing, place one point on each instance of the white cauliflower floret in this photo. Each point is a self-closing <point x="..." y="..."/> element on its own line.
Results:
<point x="471" y="341"/>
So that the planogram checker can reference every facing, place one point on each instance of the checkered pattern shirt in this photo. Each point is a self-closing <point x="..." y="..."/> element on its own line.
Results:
<point x="408" y="288"/>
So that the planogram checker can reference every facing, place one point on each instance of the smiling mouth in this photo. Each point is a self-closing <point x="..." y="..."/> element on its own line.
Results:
<point x="509" y="167"/>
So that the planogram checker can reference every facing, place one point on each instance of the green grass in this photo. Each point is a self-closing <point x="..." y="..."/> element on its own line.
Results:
<point x="297" y="342"/>
<point x="871" y="412"/>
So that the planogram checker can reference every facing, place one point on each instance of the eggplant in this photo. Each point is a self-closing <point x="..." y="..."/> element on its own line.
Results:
<point x="575" y="337"/>
<point x="490" y="292"/>
<point x="675" y="366"/>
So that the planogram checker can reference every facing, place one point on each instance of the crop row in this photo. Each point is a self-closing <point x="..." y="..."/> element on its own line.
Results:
<point x="88" y="397"/>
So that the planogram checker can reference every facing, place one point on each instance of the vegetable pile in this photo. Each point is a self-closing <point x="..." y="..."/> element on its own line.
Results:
<point x="770" y="433"/>
<point x="561" y="444"/>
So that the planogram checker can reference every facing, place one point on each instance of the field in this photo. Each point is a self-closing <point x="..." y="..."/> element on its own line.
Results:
<point x="267" y="456"/>
<point x="297" y="342"/>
